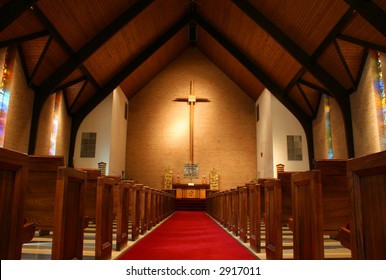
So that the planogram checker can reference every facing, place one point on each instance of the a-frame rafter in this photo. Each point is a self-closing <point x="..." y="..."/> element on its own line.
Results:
<point x="371" y="12"/>
<point x="79" y="116"/>
<point x="303" y="118"/>
<point x="362" y="43"/>
<point x="12" y="10"/>
<point x="337" y="90"/>
<point x="89" y="48"/>
<point x="22" y="39"/>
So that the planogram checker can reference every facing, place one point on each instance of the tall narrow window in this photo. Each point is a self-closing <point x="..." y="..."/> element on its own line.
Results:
<point x="330" y="150"/>
<point x="381" y="90"/>
<point x="88" y="145"/>
<point x="55" y="124"/>
<point x="4" y="97"/>
<point x="294" y="147"/>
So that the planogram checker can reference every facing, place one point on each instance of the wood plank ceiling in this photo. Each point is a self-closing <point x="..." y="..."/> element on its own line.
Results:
<point x="298" y="49"/>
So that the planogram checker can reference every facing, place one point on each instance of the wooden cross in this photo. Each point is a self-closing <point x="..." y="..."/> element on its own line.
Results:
<point x="191" y="99"/>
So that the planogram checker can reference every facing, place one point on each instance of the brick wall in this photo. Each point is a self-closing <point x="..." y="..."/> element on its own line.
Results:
<point x="158" y="128"/>
<point x="20" y="110"/>
<point x="364" y="111"/>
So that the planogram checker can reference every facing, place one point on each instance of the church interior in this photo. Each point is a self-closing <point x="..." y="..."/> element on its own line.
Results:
<point x="268" y="116"/>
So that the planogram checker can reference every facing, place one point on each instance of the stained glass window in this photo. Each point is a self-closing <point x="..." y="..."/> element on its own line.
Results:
<point x="381" y="90"/>
<point x="4" y="97"/>
<point x="55" y="124"/>
<point x="330" y="151"/>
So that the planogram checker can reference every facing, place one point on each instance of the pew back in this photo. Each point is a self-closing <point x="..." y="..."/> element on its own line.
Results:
<point x="104" y="217"/>
<point x="285" y="179"/>
<point x="68" y="231"/>
<point x="335" y="194"/>
<point x="307" y="215"/>
<point x="273" y="224"/>
<point x="367" y="185"/>
<point x="13" y="179"/>
<point x="41" y="188"/>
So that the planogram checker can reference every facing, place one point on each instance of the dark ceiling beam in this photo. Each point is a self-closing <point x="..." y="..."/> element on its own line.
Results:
<point x="99" y="96"/>
<point x="71" y="83"/>
<point x="302" y="92"/>
<point x="257" y="72"/>
<point x="91" y="46"/>
<point x="338" y="28"/>
<point x="347" y="17"/>
<point x="22" y="39"/>
<point x="345" y="65"/>
<point x="304" y="119"/>
<point x="362" y="43"/>
<point x="337" y="90"/>
<point x="55" y="34"/>
<point x="291" y="47"/>
<point x="370" y="12"/>
<point x="315" y="87"/>
<point x="11" y="10"/>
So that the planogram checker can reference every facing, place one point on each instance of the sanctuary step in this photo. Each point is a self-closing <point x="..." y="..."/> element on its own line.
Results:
<point x="187" y="204"/>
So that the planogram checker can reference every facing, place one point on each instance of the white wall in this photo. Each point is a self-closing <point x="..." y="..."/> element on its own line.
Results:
<point x="99" y="121"/>
<point x="108" y="121"/>
<point x="118" y="134"/>
<point x="274" y="124"/>
<point x="283" y="124"/>
<point x="264" y="136"/>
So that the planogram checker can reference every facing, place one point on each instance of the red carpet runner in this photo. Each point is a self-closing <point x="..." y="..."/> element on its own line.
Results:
<point x="188" y="236"/>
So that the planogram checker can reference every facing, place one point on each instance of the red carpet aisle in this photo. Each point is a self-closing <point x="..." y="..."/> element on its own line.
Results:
<point x="188" y="236"/>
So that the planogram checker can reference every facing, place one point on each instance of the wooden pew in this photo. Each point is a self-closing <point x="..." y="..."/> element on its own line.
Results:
<point x="367" y="186"/>
<point x="135" y="192"/>
<point x="104" y="217"/>
<point x="235" y="211"/>
<point x="286" y="194"/>
<point x="228" y="205"/>
<point x="68" y="230"/>
<point x="307" y="215"/>
<point x="41" y="189"/>
<point x="91" y="190"/>
<point x="335" y="195"/>
<point x="273" y="220"/>
<point x="243" y="213"/>
<point x="13" y="181"/>
<point x="143" y="209"/>
<point x="254" y="216"/>
<point x="122" y="208"/>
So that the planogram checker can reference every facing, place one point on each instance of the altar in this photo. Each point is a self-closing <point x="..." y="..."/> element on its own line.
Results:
<point x="191" y="191"/>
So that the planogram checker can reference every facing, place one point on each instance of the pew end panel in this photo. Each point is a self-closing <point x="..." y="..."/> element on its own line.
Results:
<point x="367" y="185"/>
<point x="335" y="194"/>
<point x="68" y="228"/>
<point x="273" y="223"/>
<point x="105" y="217"/>
<point x="122" y="197"/>
<point x="91" y="187"/>
<point x="13" y="182"/>
<point x="286" y="194"/>
<point x="254" y="193"/>
<point x="308" y="243"/>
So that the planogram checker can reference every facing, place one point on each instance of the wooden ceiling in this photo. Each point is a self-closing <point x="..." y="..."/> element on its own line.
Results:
<point x="298" y="49"/>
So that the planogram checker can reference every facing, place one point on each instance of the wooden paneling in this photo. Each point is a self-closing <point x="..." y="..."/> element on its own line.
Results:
<point x="152" y="66"/>
<point x="79" y="21"/>
<point x="361" y="29"/>
<point x="229" y="65"/>
<point x="127" y="44"/>
<point x="26" y="24"/>
<point x="306" y="22"/>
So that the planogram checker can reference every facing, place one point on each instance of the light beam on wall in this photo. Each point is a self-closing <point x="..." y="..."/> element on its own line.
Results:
<point x="4" y="98"/>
